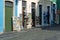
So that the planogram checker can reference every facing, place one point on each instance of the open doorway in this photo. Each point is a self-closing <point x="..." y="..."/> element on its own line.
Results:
<point x="33" y="17"/>
<point x="24" y="14"/>
<point x="48" y="14"/>
<point x="33" y="13"/>
<point x="40" y="14"/>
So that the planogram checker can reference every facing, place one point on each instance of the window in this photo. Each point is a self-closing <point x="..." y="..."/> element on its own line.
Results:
<point x="8" y="3"/>
<point x="33" y="5"/>
<point x="24" y="3"/>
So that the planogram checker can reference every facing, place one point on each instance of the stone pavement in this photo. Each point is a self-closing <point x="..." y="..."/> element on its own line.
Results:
<point x="49" y="33"/>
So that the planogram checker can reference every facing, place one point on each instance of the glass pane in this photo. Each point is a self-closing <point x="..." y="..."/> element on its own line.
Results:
<point x="33" y="4"/>
<point x="8" y="4"/>
<point x="24" y="3"/>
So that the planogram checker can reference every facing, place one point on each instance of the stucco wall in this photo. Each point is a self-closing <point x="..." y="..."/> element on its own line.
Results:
<point x="45" y="4"/>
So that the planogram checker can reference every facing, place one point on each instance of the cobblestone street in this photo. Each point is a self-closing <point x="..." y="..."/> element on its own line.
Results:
<point x="50" y="33"/>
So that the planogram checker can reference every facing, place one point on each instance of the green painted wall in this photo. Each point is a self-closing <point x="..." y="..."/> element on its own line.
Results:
<point x="53" y="0"/>
<point x="58" y="4"/>
<point x="58" y="8"/>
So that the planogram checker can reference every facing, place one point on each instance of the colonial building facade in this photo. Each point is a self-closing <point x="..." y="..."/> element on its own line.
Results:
<point x="47" y="12"/>
<point x="25" y="9"/>
<point x="43" y="12"/>
<point x="32" y="13"/>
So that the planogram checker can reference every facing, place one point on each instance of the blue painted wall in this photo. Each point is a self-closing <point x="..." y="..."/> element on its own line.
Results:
<point x="16" y="3"/>
<point x="1" y="15"/>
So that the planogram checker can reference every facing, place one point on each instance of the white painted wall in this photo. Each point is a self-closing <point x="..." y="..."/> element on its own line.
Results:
<point x="44" y="3"/>
<point x="19" y="8"/>
<point x="36" y="7"/>
<point x="28" y="6"/>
